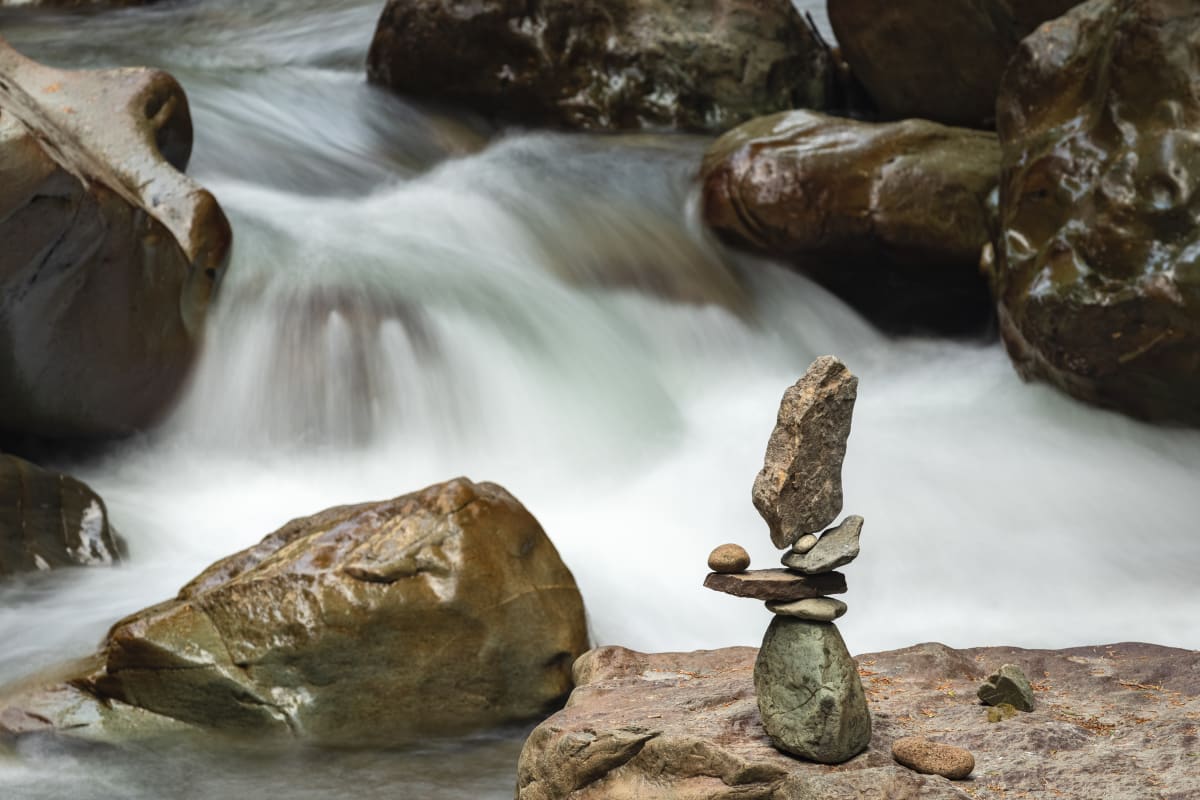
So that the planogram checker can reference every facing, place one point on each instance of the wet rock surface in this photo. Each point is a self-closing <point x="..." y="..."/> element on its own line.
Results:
<point x="109" y="255"/>
<point x="699" y="66"/>
<point x="1097" y="274"/>
<point x="338" y="629"/>
<point x="1116" y="721"/>
<point x="50" y="520"/>
<point x="889" y="216"/>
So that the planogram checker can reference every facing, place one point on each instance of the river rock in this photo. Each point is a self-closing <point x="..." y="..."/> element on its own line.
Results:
<point x="836" y="547"/>
<point x="933" y="758"/>
<point x="889" y="216"/>
<point x="1112" y="722"/>
<point x="109" y="255"/>
<point x="805" y="543"/>
<point x="816" y="609"/>
<point x="49" y="520"/>
<point x="809" y="693"/>
<point x="438" y="612"/>
<point x="799" y="489"/>
<point x="1007" y="686"/>
<point x="702" y="66"/>
<point x="935" y="59"/>
<point x="1096" y="269"/>
<point x="729" y="558"/>
<point x="776" y="584"/>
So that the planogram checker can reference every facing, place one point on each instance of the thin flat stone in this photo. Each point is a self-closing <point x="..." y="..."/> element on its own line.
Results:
<point x="817" y="609"/>
<point x="836" y="547"/>
<point x="776" y="584"/>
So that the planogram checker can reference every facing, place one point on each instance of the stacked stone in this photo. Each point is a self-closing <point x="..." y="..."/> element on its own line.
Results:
<point x="810" y="696"/>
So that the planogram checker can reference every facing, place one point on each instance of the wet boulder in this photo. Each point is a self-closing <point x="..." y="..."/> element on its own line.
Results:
<point x="936" y="59"/>
<point x="890" y="216"/>
<point x="1097" y="268"/>
<point x="50" y="520"/>
<point x="700" y="66"/>
<point x="109" y="255"/>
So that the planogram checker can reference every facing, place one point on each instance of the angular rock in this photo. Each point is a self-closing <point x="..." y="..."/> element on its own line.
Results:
<point x="809" y="694"/>
<point x="100" y="233"/>
<point x="605" y="65"/>
<point x="816" y="609"/>
<point x="776" y="584"/>
<point x="889" y="216"/>
<point x="805" y="543"/>
<point x="1007" y="686"/>
<point x="438" y="612"/>
<point x="686" y="725"/>
<point x="933" y="758"/>
<point x="836" y="547"/>
<point x="729" y="558"/>
<point x="48" y="520"/>
<point x="1096" y="270"/>
<point x="934" y="59"/>
<point x="799" y="489"/>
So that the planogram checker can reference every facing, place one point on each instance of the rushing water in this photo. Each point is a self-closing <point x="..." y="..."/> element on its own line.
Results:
<point x="414" y="296"/>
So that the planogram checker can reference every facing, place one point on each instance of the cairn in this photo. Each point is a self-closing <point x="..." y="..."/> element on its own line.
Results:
<point x="810" y="696"/>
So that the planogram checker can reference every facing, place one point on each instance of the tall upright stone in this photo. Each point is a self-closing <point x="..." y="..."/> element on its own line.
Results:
<point x="799" y="489"/>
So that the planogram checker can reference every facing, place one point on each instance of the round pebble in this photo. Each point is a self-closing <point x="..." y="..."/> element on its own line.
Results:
<point x="805" y="543"/>
<point x="729" y="558"/>
<point x="933" y="758"/>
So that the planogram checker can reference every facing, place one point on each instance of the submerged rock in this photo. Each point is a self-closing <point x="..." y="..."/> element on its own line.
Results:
<point x="49" y="520"/>
<point x="109" y="255"/>
<point x="799" y="489"/>
<point x="933" y="758"/>
<point x="1007" y="686"/>
<point x="889" y="216"/>
<point x="1097" y="266"/>
<point x="701" y="66"/>
<point x="836" y="547"/>
<point x="438" y="612"/>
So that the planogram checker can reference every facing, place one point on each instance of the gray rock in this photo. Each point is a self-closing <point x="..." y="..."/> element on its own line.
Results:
<point x="817" y="609"/>
<point x="776" y="584"/>
<point x="809" y="694"/>
<point x="836" y="547"/>
<point x="799" y="489"/>
<point x="1007" y="685"/>
<point x="805" y="543"/>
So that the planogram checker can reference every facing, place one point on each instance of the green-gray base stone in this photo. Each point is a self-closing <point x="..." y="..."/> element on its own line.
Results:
<point x="1007" y="685"/>
<point x="809" y="694"/>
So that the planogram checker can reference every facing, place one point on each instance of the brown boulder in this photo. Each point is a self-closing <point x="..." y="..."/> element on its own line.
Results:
<point x="1097" y="271"/>
<point x="890" y="216"/>
<point x="438" y="612"/>
<point x="109" y="255"/>
<point x="702" y="66"/>
<point x="936" y="59"/>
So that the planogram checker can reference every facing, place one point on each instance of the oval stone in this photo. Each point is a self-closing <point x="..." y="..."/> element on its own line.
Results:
<point x="729" y="558"/>
<point x="933" y="758"/>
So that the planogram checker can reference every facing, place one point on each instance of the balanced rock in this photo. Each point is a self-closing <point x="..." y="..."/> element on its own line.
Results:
<point x="805" y="543"/>
<point x="776" y="584"/>
<point x="809" y="694"/>
<point x="799" y="489"/>
<point x="729" y="558"/>
<point x="817" y="609"/>
<point x="1007" y="685"/>
<point x="836" y="547"/>
<point x="48" y="520"/>
<point x="932" y="758"/>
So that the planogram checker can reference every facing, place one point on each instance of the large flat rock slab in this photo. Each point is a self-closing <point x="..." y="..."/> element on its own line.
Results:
<point x="1117" y="721"/>
<point x="776" y="584"/>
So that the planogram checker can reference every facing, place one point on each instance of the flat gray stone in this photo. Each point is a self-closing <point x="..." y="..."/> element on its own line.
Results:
<point x="816" y="609"/>
<point x="809" y="694"/>
<point x="776" y="584"/>
<point x="1007" y="685"/>
<point x="799" y="489"/>
<point x="836" y="547"/>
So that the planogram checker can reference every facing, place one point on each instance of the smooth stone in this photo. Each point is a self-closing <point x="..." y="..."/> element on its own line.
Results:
<point x="799" y="489"/>
<point x="805" y="543"/>
<point x="1007" y="685"/>
<point x="932" y="758"/>
<point x="809" y="694"/>
<point x="776" y="584"/>
<point x="728" y="558"/>
<point x="817" y="609"/>
<point x="836" y="547"/>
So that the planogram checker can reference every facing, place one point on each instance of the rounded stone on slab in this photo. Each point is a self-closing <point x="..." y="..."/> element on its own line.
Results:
<point x="728" y="559"/>
<point x="933" y="758"/>
<point x="805" y="543"/>
<point x="816" y="609"/>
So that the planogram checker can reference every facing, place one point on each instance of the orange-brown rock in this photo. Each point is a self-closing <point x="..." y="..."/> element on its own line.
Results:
<point x="933" y="758"/>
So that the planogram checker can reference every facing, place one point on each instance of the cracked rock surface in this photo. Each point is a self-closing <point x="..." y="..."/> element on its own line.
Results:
<point x="438" y="612"/>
